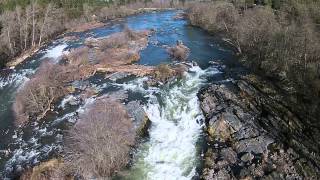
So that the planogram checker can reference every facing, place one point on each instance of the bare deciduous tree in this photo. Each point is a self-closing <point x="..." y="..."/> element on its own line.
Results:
<point x="35" y="98"/>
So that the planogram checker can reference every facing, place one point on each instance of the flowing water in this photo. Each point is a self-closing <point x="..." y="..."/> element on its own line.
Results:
<point x="171" y="151"/>
<point x="173" y="148"/>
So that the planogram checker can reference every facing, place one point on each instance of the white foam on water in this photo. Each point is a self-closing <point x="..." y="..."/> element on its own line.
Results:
<point x="71" y="117"/>
<point x="86" y="104"/>
<point x="171" y="152"/>
<point x="15" y="79"/>
<point x="70" y="99"/>
<point x="135" y="85"/>
<point x="55" y="52"/>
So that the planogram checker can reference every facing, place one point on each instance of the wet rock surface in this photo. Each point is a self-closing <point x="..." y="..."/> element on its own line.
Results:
<point x="140" y="119"/>
<point x="250" y="135"/>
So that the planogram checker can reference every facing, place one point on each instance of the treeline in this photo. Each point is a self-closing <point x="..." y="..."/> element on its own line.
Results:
<point x="279" y="39"/>
<point x="24" y="28"/>
<point x="26" y="24"/>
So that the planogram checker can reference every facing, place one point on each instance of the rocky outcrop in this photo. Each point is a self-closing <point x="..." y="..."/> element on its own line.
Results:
<point x="248" y="136"/>
<point x="164" y="74"/>
<point x="115" y="71"/>
<point x="140" y="119"/>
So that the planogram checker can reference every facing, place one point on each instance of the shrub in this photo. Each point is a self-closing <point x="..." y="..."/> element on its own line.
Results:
<point x="50" y="170"/>
<point x="214" y="17"/>
<point x="254" y="31"/>
<point x="283" y="44"/>
<point x="34" y="99"/>
<point x="130" y="34"/>
<point x="98" y="145"/>
<point x="79" y="56"/>
<point x="163" y="73"/>
<point x="179" y="52"/>
<point x="114" y="41"/>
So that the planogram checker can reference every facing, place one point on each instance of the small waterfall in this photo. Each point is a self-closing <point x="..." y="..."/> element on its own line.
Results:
<point x="176" y="117"/>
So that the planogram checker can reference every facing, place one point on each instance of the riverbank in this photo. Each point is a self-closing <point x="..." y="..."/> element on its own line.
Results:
<point x="265" y="47"/>
<point x="82" y="27"/>
<point x="284" y="117"/>
<point x="250" y="130"/>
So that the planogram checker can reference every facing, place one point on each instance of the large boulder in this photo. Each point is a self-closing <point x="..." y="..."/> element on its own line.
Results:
<point x="140" y="119"/>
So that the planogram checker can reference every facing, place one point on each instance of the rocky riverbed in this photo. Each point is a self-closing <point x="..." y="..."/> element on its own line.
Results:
<point x="251" y="134"/>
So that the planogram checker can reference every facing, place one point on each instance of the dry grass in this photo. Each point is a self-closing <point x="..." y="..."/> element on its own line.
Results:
<point x="35" y="99"/>
<point x="50" y="170"/>
<point x="99" y="144"/>
<point x="78" y="57"/>
<point x="163" y="72"/>
<point x="119" y="48"/>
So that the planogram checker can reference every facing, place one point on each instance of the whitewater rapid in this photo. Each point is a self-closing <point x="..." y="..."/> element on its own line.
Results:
<point x="18" y="77"/>
<point x="177" y="120"/>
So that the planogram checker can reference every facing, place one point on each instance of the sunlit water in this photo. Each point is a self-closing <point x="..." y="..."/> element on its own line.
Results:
<point x="171" y="151"/>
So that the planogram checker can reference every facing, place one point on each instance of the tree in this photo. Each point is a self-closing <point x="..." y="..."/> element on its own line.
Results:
<point x="34" y="100"/>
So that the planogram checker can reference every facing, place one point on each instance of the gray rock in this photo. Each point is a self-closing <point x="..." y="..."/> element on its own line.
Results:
<point x="256" y="145"/>
<point x="232" y="120"/>
<point x="247" y="157"/>
<point x="117" y="76"/>
<point x="82" y="85"/>
<point x="246" y="132"/>
<point x="237" y="124"/>
<point x="140" y="119"/>
<point x="229" y="155"/>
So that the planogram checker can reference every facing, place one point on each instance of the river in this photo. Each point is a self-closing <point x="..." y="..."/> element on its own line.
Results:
<point x="174" y="145"/>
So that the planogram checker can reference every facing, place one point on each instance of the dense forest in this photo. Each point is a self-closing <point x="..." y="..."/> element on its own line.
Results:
<point x="279" y="39"/>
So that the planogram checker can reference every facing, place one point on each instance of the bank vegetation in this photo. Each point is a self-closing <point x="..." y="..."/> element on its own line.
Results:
<point x="277" y="39"/>
<point x="25" y="25"/>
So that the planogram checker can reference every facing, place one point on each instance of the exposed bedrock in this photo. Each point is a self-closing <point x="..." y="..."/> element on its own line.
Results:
<point x="141" y="122"/>
<point x="251" y="135"/>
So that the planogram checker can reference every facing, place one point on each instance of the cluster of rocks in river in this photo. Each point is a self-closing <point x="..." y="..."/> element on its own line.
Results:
<point x="252" y="135"/>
